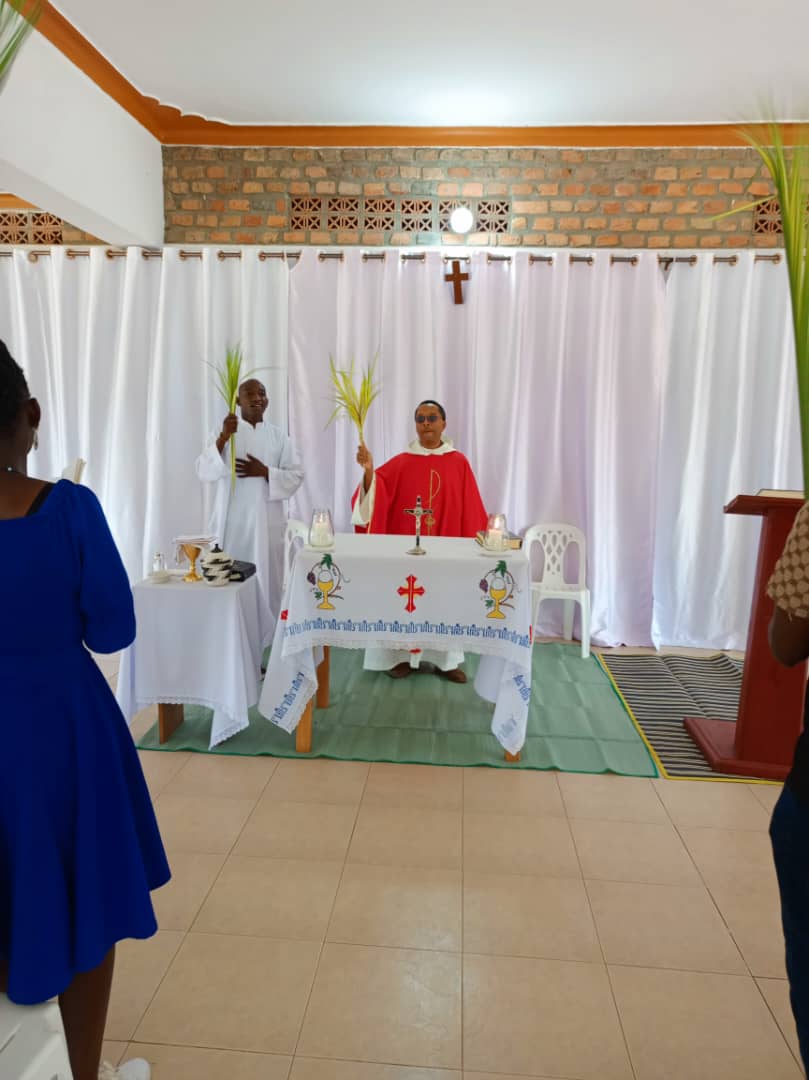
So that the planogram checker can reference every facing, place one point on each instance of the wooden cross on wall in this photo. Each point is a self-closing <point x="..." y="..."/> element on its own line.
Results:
<point x="456" y="277"/>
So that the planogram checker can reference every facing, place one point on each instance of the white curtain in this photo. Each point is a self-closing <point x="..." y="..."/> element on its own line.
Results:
<point x="600" y="392"/>
<point x="730" y="426"/>
<point x="550" y="376"/>
<point x="116" y="351"/>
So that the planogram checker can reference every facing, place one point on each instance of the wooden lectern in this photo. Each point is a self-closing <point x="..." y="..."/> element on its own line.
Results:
<point x="762" y="740"/>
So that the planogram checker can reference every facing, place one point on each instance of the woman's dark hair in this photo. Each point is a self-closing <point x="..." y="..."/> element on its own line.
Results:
<point x="13" y="390"/>
<point x="429" y="401"/>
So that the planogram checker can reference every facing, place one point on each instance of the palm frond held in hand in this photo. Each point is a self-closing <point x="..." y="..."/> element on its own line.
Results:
<point x="353" y="402"/>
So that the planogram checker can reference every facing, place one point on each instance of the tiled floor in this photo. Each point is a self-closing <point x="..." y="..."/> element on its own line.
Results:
<point x="343" y="921"/>
<point x="340" y="921"/>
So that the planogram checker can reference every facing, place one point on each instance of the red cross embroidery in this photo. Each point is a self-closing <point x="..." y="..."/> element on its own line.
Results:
<point x="411" y="592"/>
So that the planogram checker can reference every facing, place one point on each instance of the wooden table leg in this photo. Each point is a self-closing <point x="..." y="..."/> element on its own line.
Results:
<point x="512" y="757"/>
<point x="303" y="732"/>
<point x="169" y="718"/>
<point x="323" y="677"/>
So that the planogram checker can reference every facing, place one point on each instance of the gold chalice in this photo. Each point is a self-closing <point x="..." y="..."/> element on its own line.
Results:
<point x="498" y="593"/>
<point x="192" y="553"/>
<point x="326" y="585"/>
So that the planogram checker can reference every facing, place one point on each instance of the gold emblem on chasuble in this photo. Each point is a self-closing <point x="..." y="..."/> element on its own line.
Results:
<point x="435" y="487"/>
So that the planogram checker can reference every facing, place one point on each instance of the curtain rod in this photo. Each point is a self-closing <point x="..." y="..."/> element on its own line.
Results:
<point x="379" y="256"/>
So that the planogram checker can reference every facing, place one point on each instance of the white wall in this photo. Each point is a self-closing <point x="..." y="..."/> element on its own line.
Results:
<point x="70" y="149"/>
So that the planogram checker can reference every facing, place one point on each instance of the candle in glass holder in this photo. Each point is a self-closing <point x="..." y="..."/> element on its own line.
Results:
<point x="321" y="531"/>
<point x="496" y="532"/>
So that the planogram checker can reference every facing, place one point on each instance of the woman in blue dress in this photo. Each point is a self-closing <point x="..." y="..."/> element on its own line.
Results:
<point x="79" y="845"/>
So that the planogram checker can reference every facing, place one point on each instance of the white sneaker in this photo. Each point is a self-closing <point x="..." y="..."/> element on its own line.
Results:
<point x="135" y="1069"/>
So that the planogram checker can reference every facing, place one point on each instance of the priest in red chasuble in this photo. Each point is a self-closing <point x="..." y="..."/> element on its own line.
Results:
<point x="432" y="468"/>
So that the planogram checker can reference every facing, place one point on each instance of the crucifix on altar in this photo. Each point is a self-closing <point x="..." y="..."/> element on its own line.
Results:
<point x="418" y="512"/>
<point x="457" y="278"/>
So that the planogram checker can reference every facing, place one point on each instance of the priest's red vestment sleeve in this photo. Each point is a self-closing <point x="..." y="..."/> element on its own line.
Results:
<point x="445" y="483"/>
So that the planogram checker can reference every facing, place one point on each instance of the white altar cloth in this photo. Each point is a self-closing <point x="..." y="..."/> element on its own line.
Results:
<point x="368" y="592"/>
<point x="195" y="645"/>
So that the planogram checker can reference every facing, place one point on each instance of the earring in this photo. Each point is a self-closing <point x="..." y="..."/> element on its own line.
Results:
<point x="36" y="439"/>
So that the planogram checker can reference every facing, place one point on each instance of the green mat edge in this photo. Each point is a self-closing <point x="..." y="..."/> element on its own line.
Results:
<point x="293" y="754"/>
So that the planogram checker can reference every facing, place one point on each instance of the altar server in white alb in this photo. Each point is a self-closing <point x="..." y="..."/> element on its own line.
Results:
<point x="249" y="517"/>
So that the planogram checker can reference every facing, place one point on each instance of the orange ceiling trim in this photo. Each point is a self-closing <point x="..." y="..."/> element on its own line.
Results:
<point x="173" y="128"/>
<point x="190" y="130"/>
<point x="11" y="202"/>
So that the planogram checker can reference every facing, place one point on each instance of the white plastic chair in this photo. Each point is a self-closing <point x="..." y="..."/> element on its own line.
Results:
<point x="32" y="1042"/>
<point x="295" y="530"/>
<point x="555" y="540"/>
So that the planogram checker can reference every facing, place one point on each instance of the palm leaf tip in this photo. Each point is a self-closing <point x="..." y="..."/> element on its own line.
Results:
<point x="350" y="400"/>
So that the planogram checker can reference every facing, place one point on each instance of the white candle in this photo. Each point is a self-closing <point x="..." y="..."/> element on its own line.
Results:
<point x="320" y="535"/>
<point x="495" y="539"/>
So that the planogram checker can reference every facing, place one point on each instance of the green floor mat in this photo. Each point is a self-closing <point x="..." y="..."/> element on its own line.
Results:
<point x="576" y="721"/>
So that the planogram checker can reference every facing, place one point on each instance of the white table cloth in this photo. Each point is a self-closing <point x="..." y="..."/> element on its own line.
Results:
<point x="195" y="645"/>
<point x="368" y="592"/>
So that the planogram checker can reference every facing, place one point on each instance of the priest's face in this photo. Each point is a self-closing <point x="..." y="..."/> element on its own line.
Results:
<point x="252" y="401"/>
<point x="429" y="426"/>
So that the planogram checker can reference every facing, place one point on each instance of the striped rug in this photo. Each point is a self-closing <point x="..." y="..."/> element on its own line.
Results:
<point x="662" y="690"/>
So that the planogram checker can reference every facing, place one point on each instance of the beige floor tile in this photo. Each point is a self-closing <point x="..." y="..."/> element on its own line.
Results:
<point x="142" y="722"/>
<point x="405" y="836"/>
<point x="541" y="1018"/>
<point x="611" y="798"/>
<point x="731" y="857"/>
<point x="767" y="794"/>
<point x="233" y="993"/>
<point x="295" y="830"/>
<point x="194" y="1063"/>
<point x="403" y="907"/>
<point x="197" y="824"/>
<point x="498" y="1076"/>
<point x="161" y="766"/>
<point x="318" y="780"/>
<point x="500" y="844"/>
<point x="279" y="898"/>
<point x="393" y="1006"/>
<point x="546" y="917"/>
<point x="633" y="851"/>
<point x="139" y="968"/>
<point x="192" y="875"/>
<point x="753" y="915"/>
<point x="714" y="805"/>
<point x="223" y="776"/>
<point x="525" y="792"/>
<point x="313" y="1069"/>
<point x="776" y="994"/>
<point x="423" y="787"/>
<point x="113" y="1052"/>
<point x="693" y="1026"/>
<point x="667" y="926"/>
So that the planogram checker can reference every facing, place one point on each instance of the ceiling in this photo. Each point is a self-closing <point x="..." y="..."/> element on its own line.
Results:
<point x="513" y="63"/>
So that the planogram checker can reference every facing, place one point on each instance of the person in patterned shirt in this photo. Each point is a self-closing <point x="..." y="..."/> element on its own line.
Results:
<point x="789" y="829"/>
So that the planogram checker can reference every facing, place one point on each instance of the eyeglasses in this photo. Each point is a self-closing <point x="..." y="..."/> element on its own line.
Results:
<point x="421" y="419"/>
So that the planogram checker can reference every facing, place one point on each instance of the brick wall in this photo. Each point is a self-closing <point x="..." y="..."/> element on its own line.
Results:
<point x="656" y="198"/>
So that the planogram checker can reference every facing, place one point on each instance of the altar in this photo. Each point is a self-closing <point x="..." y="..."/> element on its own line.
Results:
<point x="367" y="591"/>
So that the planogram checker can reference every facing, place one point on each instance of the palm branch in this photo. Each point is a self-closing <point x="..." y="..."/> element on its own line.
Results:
<point x="787" y="162"/>
<point x="17" y="20"/>
<point x="228" y="377"/>
<point x="353" y="401"/>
